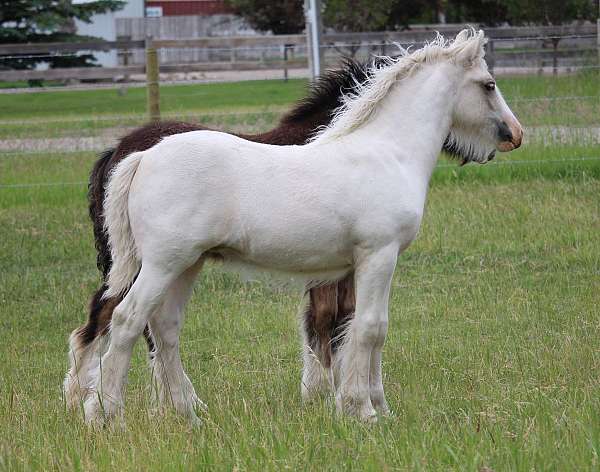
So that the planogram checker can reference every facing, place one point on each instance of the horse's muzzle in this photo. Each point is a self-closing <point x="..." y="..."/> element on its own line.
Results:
<point x="510" y="136"/>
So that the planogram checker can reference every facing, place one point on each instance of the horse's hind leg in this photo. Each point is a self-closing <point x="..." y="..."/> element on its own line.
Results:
<point x="86" y="346"/>
<point x="171" y="384"/>
<point x="128" y="322"/>
<point x="346" y="306"/>
<point x="85" y="349"/>
<point x="319" y="320"/>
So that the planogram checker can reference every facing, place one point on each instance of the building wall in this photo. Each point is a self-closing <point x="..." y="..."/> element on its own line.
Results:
<point x="183" y="27"/>
<point x="104" y="26"/>
<point x="190" y="7"/>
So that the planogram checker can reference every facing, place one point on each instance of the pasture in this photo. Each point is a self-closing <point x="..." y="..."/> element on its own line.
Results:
<point x="492" y="361"/>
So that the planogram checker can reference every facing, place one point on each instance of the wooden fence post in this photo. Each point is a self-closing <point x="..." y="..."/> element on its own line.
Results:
<point x="598" y="35"/>
<point x="285" y="62"/>
<point x="152" y="81"/>
<point x="555" y="55"/>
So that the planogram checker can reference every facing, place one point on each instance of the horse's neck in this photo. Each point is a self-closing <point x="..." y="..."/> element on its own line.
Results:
<point x="414" y="120"/>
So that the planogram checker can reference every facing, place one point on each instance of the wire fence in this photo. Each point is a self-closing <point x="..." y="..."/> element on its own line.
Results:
<point x="304" y="47"/>
<point x="141" y="117"/>
<point x="493" y="165"/>
<point x="543" y="55"/>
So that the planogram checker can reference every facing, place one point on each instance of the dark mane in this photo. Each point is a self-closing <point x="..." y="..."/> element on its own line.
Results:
<point x="327" y="91"/>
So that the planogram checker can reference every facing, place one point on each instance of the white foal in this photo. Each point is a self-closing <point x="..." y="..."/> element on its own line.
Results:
<point x="352" y="199"/>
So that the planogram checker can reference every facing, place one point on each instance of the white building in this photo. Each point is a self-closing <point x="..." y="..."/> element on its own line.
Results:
<point x="104" y="26"/>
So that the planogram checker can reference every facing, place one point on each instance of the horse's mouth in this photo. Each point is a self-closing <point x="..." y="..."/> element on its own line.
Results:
<point x="489" y="158"/>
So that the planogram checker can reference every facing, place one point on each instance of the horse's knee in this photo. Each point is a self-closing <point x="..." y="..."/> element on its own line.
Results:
<point x="368" y="329"/>
<point x="125" y="327"/>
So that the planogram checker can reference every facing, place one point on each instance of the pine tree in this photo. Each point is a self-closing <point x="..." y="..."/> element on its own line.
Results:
<point x="41" y="21"/>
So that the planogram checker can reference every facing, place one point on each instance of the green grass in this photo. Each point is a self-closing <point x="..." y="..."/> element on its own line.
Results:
<point x="491" y="362"/>
<point x="174" y="98"/>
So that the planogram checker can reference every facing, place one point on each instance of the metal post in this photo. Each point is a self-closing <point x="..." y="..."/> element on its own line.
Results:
<point x="490" y="57"/>
<point x="598" y="33"/>
<point x="152" y="81"/>
<point x="314" y="30"/>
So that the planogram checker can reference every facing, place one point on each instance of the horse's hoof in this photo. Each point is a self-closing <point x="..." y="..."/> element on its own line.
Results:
<point x="309" y="395"/>
<point x="93" y="413"/>
<point x="199" y="404"/>
<point x="363" y="410"/>
<point x="73" y="395"/>
<point x="369" y="418"/>
<point x="99" y="413"/>
<point x="196" y="422"/>
<point x="384" y="410"/>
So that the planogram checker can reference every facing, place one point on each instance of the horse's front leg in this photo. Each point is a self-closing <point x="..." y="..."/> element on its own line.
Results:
<point x="376" y="378"/>
<point x="374" y="271"/>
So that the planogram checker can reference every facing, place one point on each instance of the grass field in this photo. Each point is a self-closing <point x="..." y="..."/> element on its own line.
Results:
<point x="491" y="362"/>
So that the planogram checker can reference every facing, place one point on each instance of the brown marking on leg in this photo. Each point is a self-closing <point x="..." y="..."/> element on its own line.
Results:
<point x="346" y="305"/>
<point x="101" y="312"/>
<point x="323" y="312"/>
<point x="96" y="323"/>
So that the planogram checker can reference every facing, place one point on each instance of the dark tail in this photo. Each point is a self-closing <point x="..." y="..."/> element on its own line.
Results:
<point x="100" y="309"/>
<point x="96" y="188"/>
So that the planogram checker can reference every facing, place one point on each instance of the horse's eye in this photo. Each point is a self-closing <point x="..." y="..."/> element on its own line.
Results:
<point x="490" y="86"/>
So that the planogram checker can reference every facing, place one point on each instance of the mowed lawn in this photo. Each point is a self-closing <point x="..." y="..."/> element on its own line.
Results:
<point x="492" y="360"/>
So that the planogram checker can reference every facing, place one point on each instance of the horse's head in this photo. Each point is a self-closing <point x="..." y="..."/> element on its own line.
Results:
<point x="481" y="122"/>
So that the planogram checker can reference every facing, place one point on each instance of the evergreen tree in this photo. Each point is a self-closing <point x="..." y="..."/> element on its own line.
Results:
<point x="41" y="21"/>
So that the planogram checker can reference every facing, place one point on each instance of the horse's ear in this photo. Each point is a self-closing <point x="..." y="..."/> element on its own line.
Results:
<point x="461" y="37"/>
<point x="469" y="46"/>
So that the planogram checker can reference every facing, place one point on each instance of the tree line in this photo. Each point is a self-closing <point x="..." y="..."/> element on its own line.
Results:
<point x="287" y="16"/>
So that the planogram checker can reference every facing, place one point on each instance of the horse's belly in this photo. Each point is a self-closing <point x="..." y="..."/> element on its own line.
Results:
<point x="294" y="248"/>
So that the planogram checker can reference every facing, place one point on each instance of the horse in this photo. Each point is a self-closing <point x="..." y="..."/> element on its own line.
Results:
<point x="209" y="195"/>
<point x="329" y="306"/>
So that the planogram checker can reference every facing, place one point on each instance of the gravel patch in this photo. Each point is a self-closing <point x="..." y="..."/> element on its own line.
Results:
<point x="95" y="143"/>
<point x="547" y="135"/>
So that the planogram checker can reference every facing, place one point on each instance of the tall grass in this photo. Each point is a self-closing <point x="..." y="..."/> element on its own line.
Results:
<point x="491" y="362"/>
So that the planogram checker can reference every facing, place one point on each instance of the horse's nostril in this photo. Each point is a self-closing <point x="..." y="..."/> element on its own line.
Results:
<point x="504" y="133"/>
<point x="518" y="138"/>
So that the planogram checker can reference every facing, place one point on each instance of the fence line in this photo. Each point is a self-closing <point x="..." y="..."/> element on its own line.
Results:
<point x="275" y="110"/>
<point x="260" y="45"/>
<point x="440" y="166"/>
<point x="331" y="45"/>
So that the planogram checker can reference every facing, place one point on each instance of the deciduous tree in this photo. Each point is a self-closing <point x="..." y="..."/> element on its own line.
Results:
<point x="279" y="17"/>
